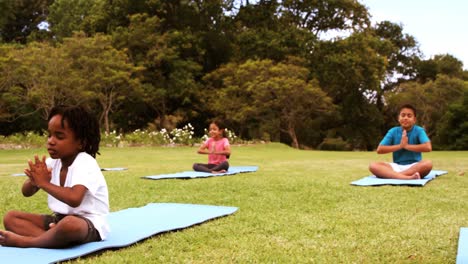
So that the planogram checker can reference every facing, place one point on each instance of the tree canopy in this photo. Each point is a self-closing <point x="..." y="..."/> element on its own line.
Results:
<point x="264" y="66"/>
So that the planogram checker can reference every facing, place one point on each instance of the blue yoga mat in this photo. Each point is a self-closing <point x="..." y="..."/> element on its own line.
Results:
<point x="127" y="227"/>
<point x="198" y="174"/>
<point x="114" y="169"/>
<point x="374" y="181"/>
<point x="462" y="255"/>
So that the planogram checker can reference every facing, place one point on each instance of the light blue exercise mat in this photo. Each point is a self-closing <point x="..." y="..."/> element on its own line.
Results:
<point x="127" y="227"/>
<point x="114" y="169"/>
<point x="18" y="174"/>
<point x="197" y="174"/>
<point x="462" y="253"/>
<point x="374" y="181"/>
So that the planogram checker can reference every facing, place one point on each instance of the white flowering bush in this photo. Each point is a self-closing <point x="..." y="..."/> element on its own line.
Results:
<point x="183" y="136"/>
<point x="231" y="136"/>
<point x="137" y="137"/>
<point x="178" y="136"/>
<point x="111" y="139"/>
<point x="160" y="137"/>
<point x="24" y="140"/>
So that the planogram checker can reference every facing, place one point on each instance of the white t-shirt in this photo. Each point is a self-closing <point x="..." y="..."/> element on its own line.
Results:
<point x="95" y="205"/>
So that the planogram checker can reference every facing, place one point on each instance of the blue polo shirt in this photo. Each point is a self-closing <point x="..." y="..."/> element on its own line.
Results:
<point x="416" y="135"/>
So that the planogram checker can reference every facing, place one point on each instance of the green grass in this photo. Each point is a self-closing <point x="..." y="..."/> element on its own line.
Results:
<point x="298" y="208"/>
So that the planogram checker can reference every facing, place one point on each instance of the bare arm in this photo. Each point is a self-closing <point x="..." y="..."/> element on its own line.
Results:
<point x="73" y="196"/>
<point x="204" y="149"/>
<point x="29" y="188"/>
<point x="382" y="149"/>
<point x="424" y="147"/>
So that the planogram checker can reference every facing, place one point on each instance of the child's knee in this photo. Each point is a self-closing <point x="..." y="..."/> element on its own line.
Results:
<point x="71" y="225"/>
<point x="10" y="218"/>
<point x="427" y="164"/>
<point x="10" y="215"/>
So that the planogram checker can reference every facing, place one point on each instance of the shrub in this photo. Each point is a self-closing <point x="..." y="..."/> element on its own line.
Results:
<point x="334" y="144"/>
<point x="183" y="136"/>
<point x="111" y="140"/>
<point x="178" y="136"/>
<point x="24" y="140"/>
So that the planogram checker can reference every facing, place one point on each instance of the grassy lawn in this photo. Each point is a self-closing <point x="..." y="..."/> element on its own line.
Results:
<point x="299" y="207"/>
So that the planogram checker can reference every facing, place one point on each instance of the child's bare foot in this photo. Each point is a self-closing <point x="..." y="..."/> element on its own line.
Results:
<point x="220" y="171"/>
<point x="416" y="175"/>
<point x="10" y="239"/>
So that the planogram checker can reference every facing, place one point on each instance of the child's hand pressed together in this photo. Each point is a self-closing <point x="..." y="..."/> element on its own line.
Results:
<point x="38" y="172"/>
<point x="404" y="139"/>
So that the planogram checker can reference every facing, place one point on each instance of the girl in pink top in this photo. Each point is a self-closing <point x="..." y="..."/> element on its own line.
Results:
<point x="218" y="149"/>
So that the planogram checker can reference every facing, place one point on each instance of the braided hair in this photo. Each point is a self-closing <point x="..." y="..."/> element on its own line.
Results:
<point x="83" y="124"/>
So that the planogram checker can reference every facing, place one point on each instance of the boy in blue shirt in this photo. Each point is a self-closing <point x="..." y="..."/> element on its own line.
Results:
<point x="406" y="142"/>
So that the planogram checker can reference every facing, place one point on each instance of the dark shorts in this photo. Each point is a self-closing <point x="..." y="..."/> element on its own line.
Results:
<point x="93" y="234"/>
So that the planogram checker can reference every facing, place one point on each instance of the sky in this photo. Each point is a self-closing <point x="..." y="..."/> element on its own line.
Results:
<point x="439" y="26"/>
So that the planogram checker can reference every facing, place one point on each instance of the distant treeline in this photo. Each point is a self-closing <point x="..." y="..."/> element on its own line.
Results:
<point x="264" y="67"/>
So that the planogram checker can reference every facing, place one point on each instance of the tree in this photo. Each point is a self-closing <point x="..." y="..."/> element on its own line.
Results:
<point x="440" y="64"/>
<point x="350" y="71"/>
<point x="33" y="80"/>
<point x="276" y="96"/>
<point x="452" y="129"/>
<point x="171" y="65"/>
<point x="278" y="29"/>
<point x="10" y="100"/>
<point x="68" y="16"/>
<point x="401" y="53"/>
<point x="323" y="16"/>
<point x="93" y="16"/>
<point x="80" y="71"/>
<point x="275" y="42"/>
<point x="19" y="19"/>
<point x="105" y="71"/>
<point x="431" y="99"/>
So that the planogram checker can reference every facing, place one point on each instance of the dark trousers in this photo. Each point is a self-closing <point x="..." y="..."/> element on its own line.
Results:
<point x="211" y="167"/>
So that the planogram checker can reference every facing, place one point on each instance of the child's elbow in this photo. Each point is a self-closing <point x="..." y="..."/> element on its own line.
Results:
<point x="428" y="147"/>
<point x="74" y="203"/>
<point x="380" y="150"/>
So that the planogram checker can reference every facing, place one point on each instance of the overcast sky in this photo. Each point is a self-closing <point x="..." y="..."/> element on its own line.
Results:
<point x="439" y="26"/>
